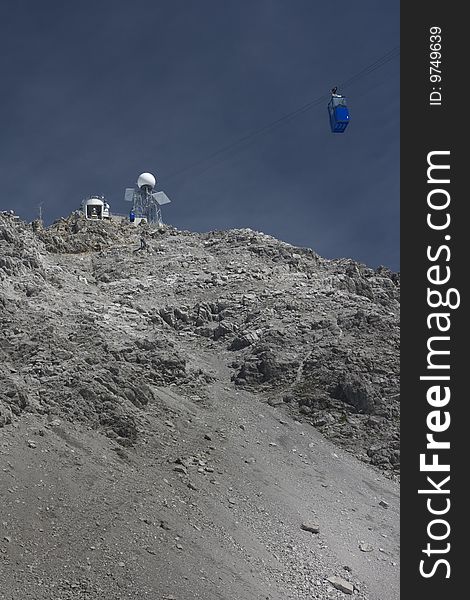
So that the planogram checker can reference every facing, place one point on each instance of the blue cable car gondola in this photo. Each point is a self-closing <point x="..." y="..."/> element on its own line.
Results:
<point x="339" y="113"/>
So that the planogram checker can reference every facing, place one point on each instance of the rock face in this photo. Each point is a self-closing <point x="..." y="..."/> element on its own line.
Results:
<point x="165" y="415"/>
<point x="89" y="327"/>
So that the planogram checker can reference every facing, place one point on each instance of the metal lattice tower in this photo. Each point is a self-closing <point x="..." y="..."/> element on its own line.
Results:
<point x="146" y="203"/>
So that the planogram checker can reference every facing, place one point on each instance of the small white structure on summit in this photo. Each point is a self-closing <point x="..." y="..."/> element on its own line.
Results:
<point x="145" y="202"/>
<point x="96" y="208"/>
<point x="146" y="180"/>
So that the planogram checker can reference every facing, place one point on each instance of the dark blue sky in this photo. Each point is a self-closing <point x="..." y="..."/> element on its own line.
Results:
<point x="94" y="93"/>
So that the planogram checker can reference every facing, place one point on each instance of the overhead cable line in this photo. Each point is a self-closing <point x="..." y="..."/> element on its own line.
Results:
<point x="379" y="63"/>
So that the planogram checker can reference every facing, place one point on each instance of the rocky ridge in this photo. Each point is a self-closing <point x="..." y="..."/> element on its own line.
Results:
<point x="165" y="415"/>
<point x="90" y="324"/>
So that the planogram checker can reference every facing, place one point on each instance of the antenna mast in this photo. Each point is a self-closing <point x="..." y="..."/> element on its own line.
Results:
<point x="145" y="202"/>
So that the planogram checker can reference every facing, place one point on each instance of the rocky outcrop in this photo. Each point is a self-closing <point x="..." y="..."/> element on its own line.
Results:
<point x="91" y="328"/>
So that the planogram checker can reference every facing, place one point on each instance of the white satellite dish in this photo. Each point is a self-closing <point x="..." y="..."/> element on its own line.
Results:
<point x="146" y="180"/>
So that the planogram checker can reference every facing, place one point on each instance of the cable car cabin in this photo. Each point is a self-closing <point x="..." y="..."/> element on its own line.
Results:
<point x="339" y="114"/>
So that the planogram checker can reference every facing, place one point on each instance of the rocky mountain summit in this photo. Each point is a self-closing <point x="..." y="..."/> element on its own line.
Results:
<point x="110" y="342"/>
<point x="89" y="321"/>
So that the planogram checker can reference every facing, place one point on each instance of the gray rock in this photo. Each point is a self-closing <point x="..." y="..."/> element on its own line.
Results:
<point x="365" y="547"/>
<point x="180" y="469"/>
<point x="311" y="527"/>
<point x="357" y="393"/>
<point x="341" y="584"/>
